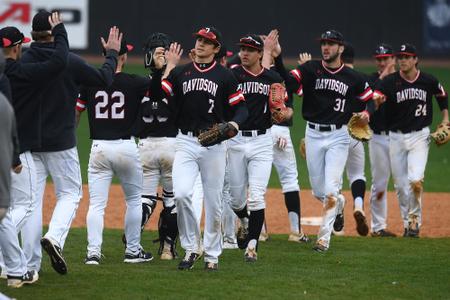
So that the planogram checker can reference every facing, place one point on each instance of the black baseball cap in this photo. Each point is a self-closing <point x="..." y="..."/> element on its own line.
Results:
<point x="11" y="36"/>
<point x="124" y="48"/>
<point x="332" y="36"/>
<point x="40" y="21"/>
<point x="252" y="41"/>
<point x="383" y="50"/>
<point x="210" y="33"/>
<point x="406" y="49"/>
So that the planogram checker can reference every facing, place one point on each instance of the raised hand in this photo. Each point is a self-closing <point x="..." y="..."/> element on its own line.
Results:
<point x="173" y="55"/>
<point x="114" y="40"/>
<point x="54" y="19"/>
<point x="303" y="57"/>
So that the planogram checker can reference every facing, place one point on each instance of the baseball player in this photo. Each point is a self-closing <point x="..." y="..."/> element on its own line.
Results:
<point x="380" y="165"/>
<point x="251" y="151"/>
<point x="328" y="87"/>
<point x="113" y="116"/>
<point x="14" y="259"/>
<point x="57" y="156"/>
<point x="201" y="93"/>
<point x="283" y="151"/>
<point x="355" y="164"/>
<point x="28" y="80"/>
<point x="409" y="111"/>
<point x="157" y="150"/>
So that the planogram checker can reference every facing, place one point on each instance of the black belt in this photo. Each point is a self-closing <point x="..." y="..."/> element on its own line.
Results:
<point x="250" y="132"/>
<point x="405" y="131"/>
<point x="381" y="132"/>
<point x="193" y="132"/>
<point x="324" y="127"/>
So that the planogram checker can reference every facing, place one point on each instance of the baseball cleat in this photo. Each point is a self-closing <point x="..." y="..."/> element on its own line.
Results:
<point x="320" y="247"/>
<point x="140" y="257"/>
<point x="18" y="281"/>
<point x="383" y="233"/>
<point x="188" y="261"/>
<point x="227" y="244"/>
<point x="361" y="222"/>
<point x="298" y="238"/>
<point x="250" y="255"/>
<point x="241" y="236"/>
<point x="263" y="237"/>
<point x="413" y="228"/>
<point x="56" y="257"/>
<point x="92" y="260"/>
<point x="168" y="251"/>
<point x="210" y="266"/>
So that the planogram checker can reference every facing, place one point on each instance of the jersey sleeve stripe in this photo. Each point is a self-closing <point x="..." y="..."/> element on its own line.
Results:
<point x="377" y="93"/>
<point x="236" y="98"/>
<point x="81" y="105"/>
<point x="296" y="74"/>
<point x="167" y="87"/>
<point x="442" y="94"/>
<point x="366" y="95"/>
<point x="300" y="91"/>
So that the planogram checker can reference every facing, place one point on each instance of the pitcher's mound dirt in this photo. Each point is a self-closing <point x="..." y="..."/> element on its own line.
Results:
<point x="436" y="207"/>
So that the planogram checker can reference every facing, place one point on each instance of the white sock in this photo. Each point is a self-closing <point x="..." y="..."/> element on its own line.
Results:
<point x="263" y="229"/>
<point x="359" y="203"/>
<point x="293" y="220"/>
<point x="252" y="244"/>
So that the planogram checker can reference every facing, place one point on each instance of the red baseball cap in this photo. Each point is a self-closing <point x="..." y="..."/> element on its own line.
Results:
<point x="211" y="34"/>
<point x="11" y="36"/>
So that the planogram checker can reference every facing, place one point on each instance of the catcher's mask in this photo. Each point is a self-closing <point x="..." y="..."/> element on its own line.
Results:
<point x="154" y="41"/>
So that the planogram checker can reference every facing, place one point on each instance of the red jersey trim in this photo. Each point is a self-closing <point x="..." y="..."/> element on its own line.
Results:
<point x="253" y="74"/>
<point x="205" y="70"/>
<point x="296" y="74"/>
<point x="410" y="81"/>
<point x="236" y="98"/>
<point x="81" y="105"/>
<point x="167" y="87"/>
<point x="330" y="71"/>
<point x="300" y="91"/>
<point x="366" y="95"/>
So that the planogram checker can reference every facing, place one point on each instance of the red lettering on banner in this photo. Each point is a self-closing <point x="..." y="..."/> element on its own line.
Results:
<point x="17" y="12"/>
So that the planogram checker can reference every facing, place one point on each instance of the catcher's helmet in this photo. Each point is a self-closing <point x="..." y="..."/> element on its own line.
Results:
<point x="154" y="41"/>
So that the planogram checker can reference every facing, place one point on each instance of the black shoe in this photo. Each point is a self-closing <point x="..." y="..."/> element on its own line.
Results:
<point x="188" y="261"/>
<point x="92" y="260"/>
<point x="413" y="230"/>
<point x="241" y="237"/>
<point x="405" y="233"/>
<point x="383" y="233"/>
<point x="56" y="257"/>
<point x="338" y="224"/>
<point x="140" y="257"/>
<point x="361" y="222"/>
<point x="210" y="266"/>
<point x="18" y="281"/>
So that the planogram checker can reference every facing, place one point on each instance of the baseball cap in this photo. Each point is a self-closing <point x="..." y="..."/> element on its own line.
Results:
<point x="383" y="50"/>
<point x="211" y="34"/>
<point x="332" y="36"/>
<point x="124" y="48"/>
<point x="11" y="36"/>
<point x="223" y="52"/>
<point x="40" y="21"/>
<point x="252" y="41"/>
<point x="406" y="49"/>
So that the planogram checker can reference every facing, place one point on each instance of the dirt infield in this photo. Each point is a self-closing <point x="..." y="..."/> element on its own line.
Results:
<point x="436" y="221"/>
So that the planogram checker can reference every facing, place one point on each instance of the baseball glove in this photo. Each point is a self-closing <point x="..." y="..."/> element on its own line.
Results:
<point x="442" y="134"/>
<point x="217" y="133"/>
<point x="303" y="148"/>
<point x="277" y="106"/>
<point x="358" y="129"/>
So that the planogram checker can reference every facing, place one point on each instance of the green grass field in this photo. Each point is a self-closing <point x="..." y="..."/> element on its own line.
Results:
<point x="359" y="268"/>
<point x="437" y="172"/>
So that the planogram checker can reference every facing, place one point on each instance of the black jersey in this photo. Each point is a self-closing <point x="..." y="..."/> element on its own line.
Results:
<point x="113" y="112"/>
<point x="201" y="97"/>
<point x="378" y="118"/>
<point x="328" y="93"/>
<point x="255" y="88"/>
<point x="409" y="104"/>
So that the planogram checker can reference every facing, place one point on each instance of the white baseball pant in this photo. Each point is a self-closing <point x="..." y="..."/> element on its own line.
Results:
<point x="326" y="156"/>
<point x="409" y="154"/>
<point x="380" y="165"/>
<point x="250" y="161"/>
<point x="64" y="168"/>
<point x="109" y="158"/>
<point x="190" y="159"/>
